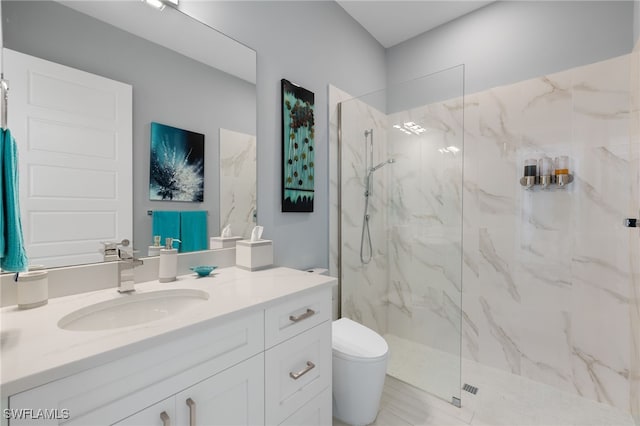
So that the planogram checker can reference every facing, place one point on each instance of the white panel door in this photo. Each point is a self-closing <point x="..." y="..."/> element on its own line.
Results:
<point x="74" y="136"/>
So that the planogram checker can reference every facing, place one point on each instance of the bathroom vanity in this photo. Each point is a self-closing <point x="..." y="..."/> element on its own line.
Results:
<point x="251" y="348"/>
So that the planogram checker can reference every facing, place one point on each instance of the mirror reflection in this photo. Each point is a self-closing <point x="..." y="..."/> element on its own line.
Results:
<point x="94" y="174"/>
<point x="237" y="182"/>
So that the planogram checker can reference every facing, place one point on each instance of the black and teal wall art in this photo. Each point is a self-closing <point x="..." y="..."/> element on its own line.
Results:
<point x="177" y="164"/>
<point x="298" y="168"/>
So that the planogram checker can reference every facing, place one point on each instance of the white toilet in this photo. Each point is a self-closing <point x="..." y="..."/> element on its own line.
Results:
<point x="359" y="368"/>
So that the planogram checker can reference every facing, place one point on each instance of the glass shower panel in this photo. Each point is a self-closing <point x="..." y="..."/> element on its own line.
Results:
<point x="401" y="225"/>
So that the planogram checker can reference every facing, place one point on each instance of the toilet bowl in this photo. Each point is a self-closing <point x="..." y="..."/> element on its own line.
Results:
<point x="359" y="368"/>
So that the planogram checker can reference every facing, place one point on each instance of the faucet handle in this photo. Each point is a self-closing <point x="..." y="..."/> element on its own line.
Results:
<point x="111" y="247"/>
<point x="125" y="251"/>
<point x="124" y="254"/>
<point x="109" y="250"/>
<point x="108" y="245"/>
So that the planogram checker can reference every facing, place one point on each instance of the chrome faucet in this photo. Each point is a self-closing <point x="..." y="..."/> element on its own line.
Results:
<point x="126" y="263"/>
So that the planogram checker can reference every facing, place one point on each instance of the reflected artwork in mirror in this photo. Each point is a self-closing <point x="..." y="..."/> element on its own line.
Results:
<point x="177" y="164"/>
<point x="173" y="81"/>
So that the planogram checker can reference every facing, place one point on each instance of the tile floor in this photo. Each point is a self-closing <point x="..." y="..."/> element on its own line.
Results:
<point x="405" y="405"/>
<point x="502" y="399"/>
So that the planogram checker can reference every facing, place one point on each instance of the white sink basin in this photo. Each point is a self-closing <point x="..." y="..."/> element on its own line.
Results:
<point x="132" y="309"/>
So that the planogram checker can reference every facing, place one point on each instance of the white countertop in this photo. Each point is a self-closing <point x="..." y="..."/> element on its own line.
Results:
<point x="35" y="351"/>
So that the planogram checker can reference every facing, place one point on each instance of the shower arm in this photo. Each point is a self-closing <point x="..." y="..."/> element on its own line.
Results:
<point x="367" y="181"/>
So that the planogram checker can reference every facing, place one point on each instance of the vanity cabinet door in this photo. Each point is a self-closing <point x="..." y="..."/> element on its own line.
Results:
<point x="161" y="414"/>
<point x="232" y="397"/>
<point x="296" y="371"/>
<point x="316" y="412"/>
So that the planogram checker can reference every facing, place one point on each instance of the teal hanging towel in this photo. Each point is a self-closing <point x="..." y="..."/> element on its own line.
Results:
<point x="166" y="224"/>
<point x="193" y="231"/>
<point x="13" y="256"/>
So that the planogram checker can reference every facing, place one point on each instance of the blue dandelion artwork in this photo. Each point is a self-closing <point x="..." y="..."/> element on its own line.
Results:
<point x="177" y="164"/>
<point x="298" y="171"/>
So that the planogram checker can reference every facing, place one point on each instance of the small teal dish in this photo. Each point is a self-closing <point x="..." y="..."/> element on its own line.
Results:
<point x="203" y="271"/>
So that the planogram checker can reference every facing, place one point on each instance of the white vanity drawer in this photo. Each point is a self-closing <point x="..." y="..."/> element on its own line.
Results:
<point x="317" y="412"/>
<point x="296" y="371"/>
<point x="292" y="317"/>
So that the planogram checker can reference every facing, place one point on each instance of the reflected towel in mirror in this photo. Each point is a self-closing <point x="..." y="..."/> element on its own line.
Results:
<point x="193" y="231"/>
<point x="166" y="224"/>
<point x="13" y="256"/>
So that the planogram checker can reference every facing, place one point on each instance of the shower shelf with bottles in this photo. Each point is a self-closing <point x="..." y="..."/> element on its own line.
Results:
<point x="546" y="173"/>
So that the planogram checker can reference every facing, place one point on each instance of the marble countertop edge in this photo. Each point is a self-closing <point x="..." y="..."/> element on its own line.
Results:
<point x="35" y="351"/>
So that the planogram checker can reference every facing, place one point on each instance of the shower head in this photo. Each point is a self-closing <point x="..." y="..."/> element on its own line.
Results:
<point x="384" y="163"/>
<point x="368" y="132"/>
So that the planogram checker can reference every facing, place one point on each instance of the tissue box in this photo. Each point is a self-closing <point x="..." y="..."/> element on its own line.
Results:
<point x="223" y="242"/>
<point x="254" y="255"/>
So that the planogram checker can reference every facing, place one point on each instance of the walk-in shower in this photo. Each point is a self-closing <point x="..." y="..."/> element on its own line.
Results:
<point x="534" y="284"/>
<point x="400" y="262"/>
<point x="365" y="239"/>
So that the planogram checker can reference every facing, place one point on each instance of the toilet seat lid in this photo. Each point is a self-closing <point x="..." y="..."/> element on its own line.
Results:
<point x="356" y="340"/>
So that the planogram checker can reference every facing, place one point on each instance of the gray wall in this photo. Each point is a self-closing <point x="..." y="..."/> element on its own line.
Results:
<point x="312" y="44"/>
<point x="636" y="22"/>
<point x="506" y="42"/>
<point x="167" y="88"/>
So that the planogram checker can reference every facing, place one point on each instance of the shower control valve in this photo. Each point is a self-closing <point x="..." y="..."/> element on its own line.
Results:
<point x="631" y="223"/>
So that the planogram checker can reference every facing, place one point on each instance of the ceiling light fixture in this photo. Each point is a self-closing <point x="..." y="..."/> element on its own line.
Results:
<point x="161" y="4"/>
<point x="414" y="128"/>
<point x="157" y="4"/>
<point x="402" y="129"/>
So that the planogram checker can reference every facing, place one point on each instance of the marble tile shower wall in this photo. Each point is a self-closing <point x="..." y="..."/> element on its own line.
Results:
<point x="425" y="225"/>
<point x="546" y="273"/>
<point x="364" y="286"/>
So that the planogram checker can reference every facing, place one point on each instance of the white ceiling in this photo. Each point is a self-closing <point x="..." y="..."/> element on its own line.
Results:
<point x="392" y="22"/>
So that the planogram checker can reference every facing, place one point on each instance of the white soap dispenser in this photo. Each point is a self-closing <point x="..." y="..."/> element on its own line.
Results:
<point x="168" y="261"/>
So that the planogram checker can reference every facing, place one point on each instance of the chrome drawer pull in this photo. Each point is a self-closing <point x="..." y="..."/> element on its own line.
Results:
<point x="166" y="421"/>
<point x="192" y="412"/>
<point x="310" y="366"/>
<point x="306" y="315"/>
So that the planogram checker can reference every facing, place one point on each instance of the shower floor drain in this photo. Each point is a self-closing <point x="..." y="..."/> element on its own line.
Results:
<point x="470" y="389"/>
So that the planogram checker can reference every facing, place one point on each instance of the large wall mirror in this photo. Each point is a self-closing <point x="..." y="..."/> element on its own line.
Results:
<point x="180" y="73"/>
